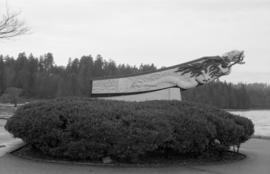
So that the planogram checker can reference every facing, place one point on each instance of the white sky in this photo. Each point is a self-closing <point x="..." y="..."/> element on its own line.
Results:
<point x="163" y="32"/>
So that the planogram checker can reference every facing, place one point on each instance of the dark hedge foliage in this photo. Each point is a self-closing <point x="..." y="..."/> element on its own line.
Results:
<point x="82" y="128"/>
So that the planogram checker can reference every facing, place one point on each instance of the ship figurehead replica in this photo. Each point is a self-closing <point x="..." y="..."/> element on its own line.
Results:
<point x="167" y="83"/>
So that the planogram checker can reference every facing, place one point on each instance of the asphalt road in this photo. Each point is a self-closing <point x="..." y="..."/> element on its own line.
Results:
<point x="257" y="162"/>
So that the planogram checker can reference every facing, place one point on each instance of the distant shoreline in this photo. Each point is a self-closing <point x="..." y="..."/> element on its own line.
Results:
<point x="261" y="137"/>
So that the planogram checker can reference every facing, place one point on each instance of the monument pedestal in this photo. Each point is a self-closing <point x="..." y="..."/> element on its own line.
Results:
<point x="165" y="94"/>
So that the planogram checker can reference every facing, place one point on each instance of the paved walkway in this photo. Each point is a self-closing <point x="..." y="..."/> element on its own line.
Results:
<point x="7" y="142"/>
<point x="258" y="162"/>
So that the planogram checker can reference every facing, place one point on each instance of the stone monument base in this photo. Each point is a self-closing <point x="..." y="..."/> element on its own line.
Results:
<point x="165" y="94"/>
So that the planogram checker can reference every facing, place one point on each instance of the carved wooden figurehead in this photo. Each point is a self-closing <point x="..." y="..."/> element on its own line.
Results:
<point x="165" y="83"/>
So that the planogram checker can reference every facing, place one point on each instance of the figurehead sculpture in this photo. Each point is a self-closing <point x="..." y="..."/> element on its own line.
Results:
<point x="184" y="76"/>
<point x="208" y="69"/>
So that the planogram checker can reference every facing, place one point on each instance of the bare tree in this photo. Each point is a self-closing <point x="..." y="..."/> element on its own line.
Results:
<point x="11" y="26"/>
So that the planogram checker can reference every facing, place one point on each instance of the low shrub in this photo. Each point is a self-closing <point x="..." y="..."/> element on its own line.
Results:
<point x="82" y="128"/>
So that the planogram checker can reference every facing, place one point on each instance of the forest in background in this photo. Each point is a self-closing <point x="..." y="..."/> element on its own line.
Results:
<point x="40" y="78"/>
<point x="231" y="96"/>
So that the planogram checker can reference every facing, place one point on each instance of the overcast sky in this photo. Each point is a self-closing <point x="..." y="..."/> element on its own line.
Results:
<point x="163" y="32"/>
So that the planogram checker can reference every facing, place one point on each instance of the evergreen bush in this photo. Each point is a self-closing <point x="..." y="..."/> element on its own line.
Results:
<point x="89" y="129"/>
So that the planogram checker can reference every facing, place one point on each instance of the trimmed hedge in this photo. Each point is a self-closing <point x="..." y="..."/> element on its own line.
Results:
<point x="82" y="128"/>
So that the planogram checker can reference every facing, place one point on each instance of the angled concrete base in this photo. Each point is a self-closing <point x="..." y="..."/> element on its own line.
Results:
<point x="7" y="142"/>
<point x="10" y="146"/>
<point x="166" y="94"/>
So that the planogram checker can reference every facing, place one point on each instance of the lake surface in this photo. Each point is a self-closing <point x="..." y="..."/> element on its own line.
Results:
<point x="260" y="118"/>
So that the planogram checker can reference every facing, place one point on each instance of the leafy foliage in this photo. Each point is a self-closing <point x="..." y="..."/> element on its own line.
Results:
<point x="231" y="96"/>
<point x="11" y="95"/>
<point x="82" y="128"/>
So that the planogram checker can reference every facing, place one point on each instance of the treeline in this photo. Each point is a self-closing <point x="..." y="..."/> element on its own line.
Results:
<point x="39" y="77"/>
<point x="231" y="96"/>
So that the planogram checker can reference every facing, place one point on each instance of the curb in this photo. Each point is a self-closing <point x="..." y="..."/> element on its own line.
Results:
<point x="11" y="146"/>
<point x="126" y="165"/>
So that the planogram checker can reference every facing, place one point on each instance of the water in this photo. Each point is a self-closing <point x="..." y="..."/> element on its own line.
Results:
<point x="260" y="118"/>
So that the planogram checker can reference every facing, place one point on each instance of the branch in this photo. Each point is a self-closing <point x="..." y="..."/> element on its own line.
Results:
<point x="11" y="26"/>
